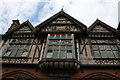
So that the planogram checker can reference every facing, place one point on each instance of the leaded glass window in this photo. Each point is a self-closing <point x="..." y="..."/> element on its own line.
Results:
<point x="60" y="47"/>
<point x="7" y="53"/>
<point x="49" y="55"/>
<point x="105" y="49"/>
<point x="24" y="54"/>
<point x="97" y="54"/>
<point x="17" y="50"/>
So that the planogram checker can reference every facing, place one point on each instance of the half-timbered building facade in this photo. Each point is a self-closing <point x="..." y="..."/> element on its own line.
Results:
<point x="60" y="48"/>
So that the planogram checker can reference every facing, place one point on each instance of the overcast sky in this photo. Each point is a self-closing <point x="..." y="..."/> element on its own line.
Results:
<point x="36" y="11"/>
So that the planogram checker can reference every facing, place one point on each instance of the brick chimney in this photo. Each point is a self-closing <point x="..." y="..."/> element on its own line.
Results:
<point x="14" y="25"/>
<point x="16" y="22"/>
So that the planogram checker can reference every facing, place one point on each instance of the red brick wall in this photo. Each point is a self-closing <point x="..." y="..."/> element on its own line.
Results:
<point x="89" y="71"/>
<point x="31" y="70"/>
<point x="79" y="74"/>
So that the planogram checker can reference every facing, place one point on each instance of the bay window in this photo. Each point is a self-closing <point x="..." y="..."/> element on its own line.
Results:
<point x="60" y="46"/>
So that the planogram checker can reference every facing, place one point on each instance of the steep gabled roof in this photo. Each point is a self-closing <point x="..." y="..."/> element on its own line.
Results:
<point x="103" y="24"/>
<point x="22" y="25"/>
<point x="118" y="26"/>
<point x="38" y="27"/>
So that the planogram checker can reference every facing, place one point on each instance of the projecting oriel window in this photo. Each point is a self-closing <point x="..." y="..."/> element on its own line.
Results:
<point x="60" y="46"/>
<point x="105" y="49"/>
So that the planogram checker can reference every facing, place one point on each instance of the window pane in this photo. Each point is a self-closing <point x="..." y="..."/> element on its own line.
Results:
<point x="69" y="55"/>
<point x="49" y="51"/>
<point x="96" y="54"/>
<point x="56" y="48"/>
<point x="11" y="46"/>
<point x="117" y="54"/>
<point x="114" y="47"/>
<point x="102" y="47"/>
<point x="27" y="47"/>
<point x="69" y="47"/>
<point x="95" y="47"/>
<point x="7" y="53"/>
<point x="24" y="54"/>
<point x="55" y="54"/>
<point x="50" y="47"/>
<point x="119" y="46"/>
<point x="21" y="46"/>
<point x="107" y="47"/>
<point x="14" y="52"/>
<point x="104" y="54"/>
<point x="49" y="55"/>
<point x="62" y="48"/>
<point x="19" y="52"/>
<point x="62" y="55"/>
<point x="17" y="46"/>
<point x="110" y="54"/>
<point x="69" y="51"/>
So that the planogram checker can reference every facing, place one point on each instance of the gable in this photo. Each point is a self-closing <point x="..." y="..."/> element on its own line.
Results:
<point x="99" y="26"/>
<point x="61" y="22"/>
<point x="101" y="29"/>
<point x="25" y="27"/>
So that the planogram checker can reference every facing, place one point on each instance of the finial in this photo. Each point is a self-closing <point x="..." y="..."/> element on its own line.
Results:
<point x="62" y="8"/>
